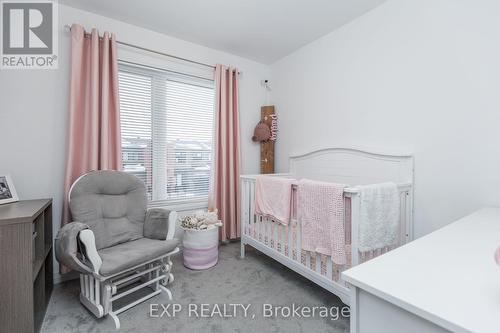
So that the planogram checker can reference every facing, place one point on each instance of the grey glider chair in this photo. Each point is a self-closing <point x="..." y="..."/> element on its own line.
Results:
<point x="115" y="241"/>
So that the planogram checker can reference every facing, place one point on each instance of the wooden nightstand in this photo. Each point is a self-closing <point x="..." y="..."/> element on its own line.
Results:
<point x="25" y="264"/>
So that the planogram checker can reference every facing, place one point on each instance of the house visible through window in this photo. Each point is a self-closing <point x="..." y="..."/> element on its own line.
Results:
<point x="167" y="127"/>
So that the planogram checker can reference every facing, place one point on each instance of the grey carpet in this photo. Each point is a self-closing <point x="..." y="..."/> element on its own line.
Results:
<point x="257" y="279"/>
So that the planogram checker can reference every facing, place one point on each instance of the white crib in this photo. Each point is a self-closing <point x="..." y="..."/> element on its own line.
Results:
<point x="342" y="165"/>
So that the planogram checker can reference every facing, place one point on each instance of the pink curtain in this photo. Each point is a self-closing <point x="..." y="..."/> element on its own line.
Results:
<point x="225" y="185"/>
<point x="94" y="113"/>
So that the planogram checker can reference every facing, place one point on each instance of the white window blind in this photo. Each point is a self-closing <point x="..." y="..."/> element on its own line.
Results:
<point x="167" y="125"/>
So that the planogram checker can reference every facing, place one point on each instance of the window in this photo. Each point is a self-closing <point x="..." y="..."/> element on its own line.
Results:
<point x="166" y="129"/>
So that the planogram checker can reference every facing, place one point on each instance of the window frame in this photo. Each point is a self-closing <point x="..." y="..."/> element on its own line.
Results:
<point x="180" y="204"/>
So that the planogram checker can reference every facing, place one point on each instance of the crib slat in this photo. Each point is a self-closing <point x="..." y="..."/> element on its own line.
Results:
<point x="275" y="235"/>
<point x="248" y="205"/>
<point x="329" y="267"/>
<point x="318" y="263"/>
<point x="266" y="226"/>
<point x="299" y="243"/>
<point x="285" y="239"/>
<point x="408" y="217"/>
<point x="402" y="220"/>
<point x="282" y="238"/>
<point x="279" y="227"/>
<point x="258" y="219"/>
<point x="264" y="229"/>
<point x="278" y="237"/>
<point x="277" y="240"/>
<point x="308" y="259"/>
<point x="355" y="204"/>
<point x="251" y="191"/>
<point x="271" y="232"/>
<point x="258" y="227"/>
<point x="261" y="229"/>
<point x="268" y="232"/>
<point x="244" y="206"/>
<point x="289" y="231"/>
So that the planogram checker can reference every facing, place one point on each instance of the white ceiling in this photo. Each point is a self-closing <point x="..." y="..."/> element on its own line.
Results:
<point x="262" y="30"/>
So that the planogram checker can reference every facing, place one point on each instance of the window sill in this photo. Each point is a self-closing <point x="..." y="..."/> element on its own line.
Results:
<point x="181" y="205"/>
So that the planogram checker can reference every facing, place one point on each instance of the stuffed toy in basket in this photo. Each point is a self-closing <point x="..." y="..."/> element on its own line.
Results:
<point x="201" y="240"/>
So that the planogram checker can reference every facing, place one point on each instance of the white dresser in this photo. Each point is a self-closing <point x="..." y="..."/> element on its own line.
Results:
<point x="446" y="281"/>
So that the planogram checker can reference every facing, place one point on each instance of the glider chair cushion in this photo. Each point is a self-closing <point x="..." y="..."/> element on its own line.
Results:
<point x="123" y="256"/>
<point x="112" y="203"/>
<point x="156" y="226"/>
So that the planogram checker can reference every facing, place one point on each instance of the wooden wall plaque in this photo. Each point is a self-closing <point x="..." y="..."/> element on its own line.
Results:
<point x="267" y="148"/>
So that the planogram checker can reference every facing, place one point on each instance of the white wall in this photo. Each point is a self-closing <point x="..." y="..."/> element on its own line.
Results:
<point x="33" y="106"/>
<point x="412" y="75"/>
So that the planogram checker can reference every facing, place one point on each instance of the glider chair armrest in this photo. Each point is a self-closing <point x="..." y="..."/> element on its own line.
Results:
<point x="68" y="247"/>
<point x="160" y="223"/>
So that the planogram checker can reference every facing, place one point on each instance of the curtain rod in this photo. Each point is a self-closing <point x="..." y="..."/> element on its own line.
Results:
<point x="161" y="69"/>
<point x="153" y="51"/>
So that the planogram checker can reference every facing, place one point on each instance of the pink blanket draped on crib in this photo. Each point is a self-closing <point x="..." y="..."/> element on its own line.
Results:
<point x="273" y="198"/>
<point x="321" y="215"/>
